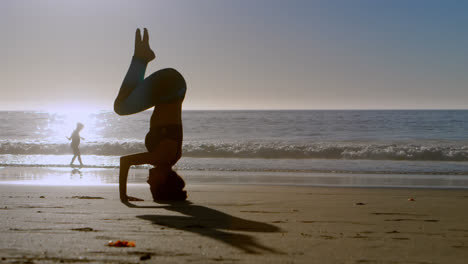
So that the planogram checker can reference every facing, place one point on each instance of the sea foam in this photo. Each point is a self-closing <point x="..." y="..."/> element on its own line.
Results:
<point x="265" y="150"/>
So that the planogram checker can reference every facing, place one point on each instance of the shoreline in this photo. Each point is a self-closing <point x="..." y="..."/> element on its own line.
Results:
<point x="101" y="176"/>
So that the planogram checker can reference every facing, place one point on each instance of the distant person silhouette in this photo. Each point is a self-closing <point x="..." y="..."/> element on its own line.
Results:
<point x="75" y="143"/>
<point x="165" y="90"/>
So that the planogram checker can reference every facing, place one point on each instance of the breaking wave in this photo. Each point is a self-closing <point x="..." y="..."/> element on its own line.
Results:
<point x="268" y="150"/>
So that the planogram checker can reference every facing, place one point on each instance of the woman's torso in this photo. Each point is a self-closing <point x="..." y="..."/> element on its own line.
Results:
<point x="165" y="124"/>
<point x="167" y="114"/>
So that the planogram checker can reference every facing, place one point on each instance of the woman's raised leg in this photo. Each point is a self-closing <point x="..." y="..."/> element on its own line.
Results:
<point x="135" y="94"/>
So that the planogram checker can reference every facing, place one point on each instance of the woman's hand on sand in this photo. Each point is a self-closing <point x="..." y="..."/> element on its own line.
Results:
<point x="134" y="199"/>
<point x="126" y="198"/>
<point x="142" y="48"/>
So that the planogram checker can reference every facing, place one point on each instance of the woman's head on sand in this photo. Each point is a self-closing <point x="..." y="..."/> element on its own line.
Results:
<point x="166" y="184"/>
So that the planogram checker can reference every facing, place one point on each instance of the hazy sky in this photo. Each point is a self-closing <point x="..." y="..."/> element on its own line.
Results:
<point x="243" y="54"/>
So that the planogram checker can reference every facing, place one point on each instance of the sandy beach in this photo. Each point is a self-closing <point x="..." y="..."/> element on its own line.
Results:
<point x="234" y="224"/>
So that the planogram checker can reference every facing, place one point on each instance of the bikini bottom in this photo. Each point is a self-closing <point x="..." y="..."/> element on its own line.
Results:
<point x="160" y="133"/>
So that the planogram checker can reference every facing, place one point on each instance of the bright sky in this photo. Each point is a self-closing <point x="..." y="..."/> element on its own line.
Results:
<point x="243" y="54"/>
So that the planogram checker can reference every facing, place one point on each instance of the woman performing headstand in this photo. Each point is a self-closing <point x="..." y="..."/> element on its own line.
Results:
<point x="165" y="90"/>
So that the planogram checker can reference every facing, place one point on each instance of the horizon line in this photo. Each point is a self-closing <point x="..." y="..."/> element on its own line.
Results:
<point x="266" y="109"/>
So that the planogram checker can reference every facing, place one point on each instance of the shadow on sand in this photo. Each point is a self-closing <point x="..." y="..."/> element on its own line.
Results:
<point x="211" y="223"/>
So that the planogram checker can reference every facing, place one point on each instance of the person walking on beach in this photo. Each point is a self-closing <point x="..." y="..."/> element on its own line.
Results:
<point x="75" y="143"/>
<point x="165" y="91"/>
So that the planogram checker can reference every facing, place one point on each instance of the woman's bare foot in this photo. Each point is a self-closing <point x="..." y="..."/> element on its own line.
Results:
<point x="142" y="48"/>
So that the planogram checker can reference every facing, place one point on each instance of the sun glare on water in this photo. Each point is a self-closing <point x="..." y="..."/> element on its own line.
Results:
<point x="64" y="177"/>
<point x="59" y="125"/>
<point x="62" y="123"/>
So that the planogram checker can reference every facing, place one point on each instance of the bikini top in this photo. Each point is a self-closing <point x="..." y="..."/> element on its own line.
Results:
<point x="159" y="133"/>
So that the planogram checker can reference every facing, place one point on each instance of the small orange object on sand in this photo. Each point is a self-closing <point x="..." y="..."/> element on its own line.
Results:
<point x="411" y="199"/>
<point x="121" y="243"/>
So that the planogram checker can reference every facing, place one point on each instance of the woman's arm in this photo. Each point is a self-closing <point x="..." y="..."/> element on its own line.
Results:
<point x="125" y="163"/>
<point x="165" y="154"/>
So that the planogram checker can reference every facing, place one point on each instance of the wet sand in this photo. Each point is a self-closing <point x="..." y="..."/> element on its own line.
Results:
<point x="234" y="224"/>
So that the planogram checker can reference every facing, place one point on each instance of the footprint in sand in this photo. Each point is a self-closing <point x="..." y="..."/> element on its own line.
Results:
<point x="84" y="229"/>
<point x="87" y="197"/>
<point x="327" y="237"/>
<point x="409" y="219"/>
<point x="261" y="212"/>
<point x="279" y="222"/>
<point x="408" y="214"/>
<point x="359" y="236"/>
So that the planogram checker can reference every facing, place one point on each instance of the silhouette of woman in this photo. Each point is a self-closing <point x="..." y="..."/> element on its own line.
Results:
<point x="165" y="90"/>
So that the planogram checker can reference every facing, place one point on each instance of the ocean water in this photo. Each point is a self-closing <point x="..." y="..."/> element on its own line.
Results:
<point x="383" y="142"/>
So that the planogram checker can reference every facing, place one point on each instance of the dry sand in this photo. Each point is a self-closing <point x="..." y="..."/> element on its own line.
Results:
<point x="234" y="224"/>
